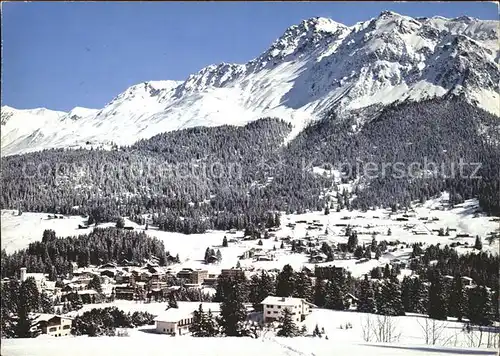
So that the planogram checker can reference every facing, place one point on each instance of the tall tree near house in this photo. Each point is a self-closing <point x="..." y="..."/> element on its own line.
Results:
<point x="172" y="301"/>
<point x="335" y="297"/>
<point x="287" y="326"/>
<point x="285" y="282"/>
<point x="366" y="302"/>
<point x="303" y="286"/>
<point x="218" y="255"/>
<point x="224" y="242"/>
<point x="319" y="293"/>
<point x="46" y="303"/>
<point x="232" y="309"/>
<point x="261" y="286"/>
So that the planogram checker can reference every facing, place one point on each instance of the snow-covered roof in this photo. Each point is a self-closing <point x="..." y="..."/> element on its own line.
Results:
<point x="46" y="317"/>
<point x="174" y="315"/>
<point x="282" y="301"/>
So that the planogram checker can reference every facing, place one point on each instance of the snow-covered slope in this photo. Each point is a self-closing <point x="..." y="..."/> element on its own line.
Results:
<point x="314" y="66"/>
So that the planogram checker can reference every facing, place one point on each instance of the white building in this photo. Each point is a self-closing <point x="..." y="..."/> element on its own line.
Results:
<point x="54" y="325"/>
<point x="274" y="306"/>
<point x="174" y="321"/>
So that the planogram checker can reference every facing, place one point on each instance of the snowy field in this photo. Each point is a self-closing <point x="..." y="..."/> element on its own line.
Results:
<point x="340" y="341"/>
<point x="143" y="343"/>
<point x="19" y="231"/>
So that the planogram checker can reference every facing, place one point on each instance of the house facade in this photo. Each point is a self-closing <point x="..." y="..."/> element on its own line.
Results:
<point x="54" y="325"/>
<point x="274" y="306"/>
<point x="174" y="322"/>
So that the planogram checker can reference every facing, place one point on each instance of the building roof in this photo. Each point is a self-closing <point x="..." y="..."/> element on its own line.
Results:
<point x="39" y="317"/>
<point x="174" y="315"/>
<point x="282" y="301"/>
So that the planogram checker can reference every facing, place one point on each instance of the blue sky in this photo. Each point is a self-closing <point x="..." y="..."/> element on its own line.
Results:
<point x="62" y="55"/>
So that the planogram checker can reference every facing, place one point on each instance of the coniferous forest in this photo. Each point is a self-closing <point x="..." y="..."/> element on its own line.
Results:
<point x="235" y="177"/>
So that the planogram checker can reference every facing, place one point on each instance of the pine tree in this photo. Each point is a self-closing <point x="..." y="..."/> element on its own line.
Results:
<point x="458" y="299"/>
<point x="316" y="331"/>
<point x="387" y="271"/>
<point x="224" y="242"/>
<point x="261" y="286"/>
<point x="366" y="303"/>
<point x="172" y="301"/>
<point x="285" y="282"/>
<point x="120" y="223"/>
<point x="287" y="327"/>
<point x="437" y="300"/>
<point x="390" y="302"/>
<point x="478" y="245"/>
<point x="232" y="309"/>
<point x="319" y="293"/>
<point x="197" y="327"/>
<point x="480" y="311"/>
<point x="46" y="304"/>
<point x="303" y="287"/>
<point x="218" y="255"/>
<point x="327" y="210"/>
<point x="335" y="298"/>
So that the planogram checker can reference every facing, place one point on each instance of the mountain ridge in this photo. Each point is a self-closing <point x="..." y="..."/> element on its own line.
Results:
<point x="315" y="66"/>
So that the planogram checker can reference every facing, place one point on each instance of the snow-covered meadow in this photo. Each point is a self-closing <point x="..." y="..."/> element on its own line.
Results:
<point x="18" y="231"/>
<point x="409" y="339"/>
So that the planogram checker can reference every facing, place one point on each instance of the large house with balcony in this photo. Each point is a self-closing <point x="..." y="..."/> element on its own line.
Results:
<point x="274" y="306"/>
<point x="54" y="325"/>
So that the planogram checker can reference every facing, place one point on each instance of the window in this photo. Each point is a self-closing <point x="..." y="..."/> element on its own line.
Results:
<point x="52" y="329"/>
<point x="268" y="312"/>
<point x="270" y="306"/>
<point x="163" y="330"/>
<point x="66" y="327"/>
<point x="279" y="306"/>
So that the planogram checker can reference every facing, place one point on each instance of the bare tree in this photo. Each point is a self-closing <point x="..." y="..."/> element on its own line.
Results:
<point x="432" y="330"/>
<point x="381" y="328"/>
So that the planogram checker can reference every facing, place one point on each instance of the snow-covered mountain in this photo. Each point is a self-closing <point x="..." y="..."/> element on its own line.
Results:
<point x="314" y="66"/>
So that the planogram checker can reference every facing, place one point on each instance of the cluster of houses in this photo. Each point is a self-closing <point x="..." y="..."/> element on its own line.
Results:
<point x="176" y="321"/>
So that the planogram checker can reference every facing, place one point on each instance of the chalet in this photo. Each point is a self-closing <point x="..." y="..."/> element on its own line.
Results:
<point x="318" y="257"/>
<point x="53" y="325"/>
<point x="174" y="321"/>
<point x="274" y="306"/>
<point x="198" y="276"/>
<point x="125" y="291"/>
